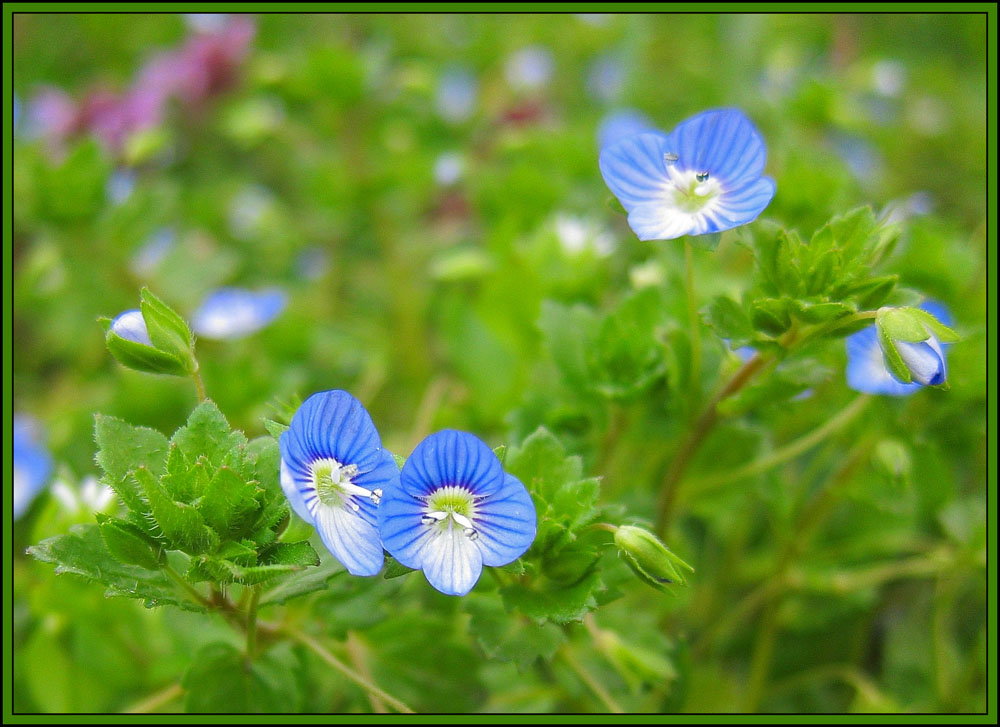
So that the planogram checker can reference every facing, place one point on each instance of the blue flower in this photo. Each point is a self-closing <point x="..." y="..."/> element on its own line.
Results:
<point x="703" y="177"/>
<point x="236" y="312"/>
<point x="454" y="511"/>
<point x="620" y="125"/>
<point x="131" y="326"/>
<point x="457" y="94"/>
<point x="334" y="471"/>
<point x="32" y="463"/>
<point x="867" y="371"/>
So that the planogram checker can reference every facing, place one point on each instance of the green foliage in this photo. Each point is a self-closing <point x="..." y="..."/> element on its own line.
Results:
<point x="221" y="678"/>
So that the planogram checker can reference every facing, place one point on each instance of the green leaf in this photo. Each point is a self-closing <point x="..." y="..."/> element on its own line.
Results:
<point x="558" y="603"/>
<point x="83" y="552"/>
<point x="223" y="570"/>
<point x="302" y="583"/>
<point x="395" y="569"/>
<point x="900" y="324"/>
<point x="181" y="523"/>
<point x="568" y="333"/>
<point x="207" y="433"/>
<point x="121" y="448"/>
<point x="167" y="330"/>
<point x="897" y="367"/>
<point x="510" y="637"/>
<point x="141" y="357"/>
<point x="221" y="679"/>
<point x="625" y="357"/>
<point x="228" y="503"/>
<point x="771" y="315"/>
<point x="730" y="321"/>
<point x="942" y="332"/>
<point x="298" y="554"/>
<point x="822" y="312"/>
<point x="542" y="465"/>
<point x="275" y="429"/>
<point x="129" y="544"/>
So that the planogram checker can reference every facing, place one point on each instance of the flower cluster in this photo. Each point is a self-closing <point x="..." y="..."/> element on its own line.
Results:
<point x="205" y="65"/>
<point x="450" y="511"/>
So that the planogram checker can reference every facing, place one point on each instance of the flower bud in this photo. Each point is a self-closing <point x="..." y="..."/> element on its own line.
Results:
<point x="128" y="339"/>
<point x="649" y="558"/>
<point x="911" y="340"/>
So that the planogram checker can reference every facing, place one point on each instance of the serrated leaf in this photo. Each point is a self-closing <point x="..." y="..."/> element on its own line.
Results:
<point x="297" y="554"/>
<point x="207" y="433"/>
<point x="542" y="465"/>
<point x="222" y="679"/>
<point x="771" y="315"/>
<point x="121" y="448"/>
<point x="900" y="324"/>
<point x="222" y="570"/>
<point x="559" y="604"/>
<point x="511" y="636"/>
<point x="893" y="361"/>
<point x="83" y="552"/>
<point x="130" y="545"/>
<point x="275" y="429"/>
<point x="942" y="332"/>
<point x="141" y="357"/>
<point x="822" y="312"/>
<point x="182" y="524"/>
<point x="228" y="502"/>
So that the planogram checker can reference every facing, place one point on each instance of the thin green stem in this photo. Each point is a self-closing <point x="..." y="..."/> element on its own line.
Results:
<point x="252" y="621"/>
<point x="593" y="684"/>
<point x="156" y="701"/>
<point x="340" y="666"/>
<point x="783" y="454"/>
<point x="188" y="588"/>
<point x="199" y="385"/>
<point x="693" y="318"/>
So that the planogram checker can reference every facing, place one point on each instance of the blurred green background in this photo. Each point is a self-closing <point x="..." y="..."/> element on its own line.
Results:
<point x="419" y="185"/>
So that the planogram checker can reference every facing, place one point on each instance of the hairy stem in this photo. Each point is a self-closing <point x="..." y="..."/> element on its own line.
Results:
<point x="252" y="621"/>
<point x="199" y="385"/>
<point x="592" y="684"/>
<point x="156" y="701"/>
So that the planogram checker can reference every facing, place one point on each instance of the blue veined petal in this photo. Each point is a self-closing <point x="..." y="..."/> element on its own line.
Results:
<point x="742" y="206"/>
<point x="866" y="369"/>
<point x="451" y="457"/>
<point x="131" y="326"/>
<point x="236" y="312"/>
<point x="924" y="361"/>
<point x="506" y="523"/>
<point x="657" y="221"/>
<point x="722" y="142"/>
<point x="621" y="125"/>
<point x="384" y="475"/>
<point x="352" y="539"/>
<point x="633" y="168"/>
<point x="290" y="486"/>
<point x="400" y="527"/>
<point x="331" y="424"/>
<point x="452" y="562"/>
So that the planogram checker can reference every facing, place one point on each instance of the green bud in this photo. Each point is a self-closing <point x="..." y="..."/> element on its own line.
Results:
<point x="167" y="330"/>
<point x="128" y="341"/>
<point x="649" y="558"/>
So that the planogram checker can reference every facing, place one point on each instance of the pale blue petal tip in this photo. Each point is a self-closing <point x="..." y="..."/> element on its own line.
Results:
<point x="32" y="463"/>
<point x="131" y="326"/>
<point x="236" y="312"/>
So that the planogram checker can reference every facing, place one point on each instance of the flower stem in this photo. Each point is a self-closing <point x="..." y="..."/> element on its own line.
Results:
<point x="688" y="448"/>
<point x="593" y="684"/>
<point x="340" y="666"/>
<point x="252" y="621"/>
<point x="188" y="588"/>
<point x="156" y="701"/>
<point x="693" y="318"/>
<point x="199" y="385"/>
<point x="789" y="451"/>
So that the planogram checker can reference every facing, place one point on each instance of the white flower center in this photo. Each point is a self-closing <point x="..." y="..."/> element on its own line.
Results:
<point x="334" y="488"/>
<point x="689" y="190"/>
<point x="450" y="506"/>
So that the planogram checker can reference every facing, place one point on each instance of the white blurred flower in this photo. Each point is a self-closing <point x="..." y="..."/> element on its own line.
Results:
<point x="448" y="168"/>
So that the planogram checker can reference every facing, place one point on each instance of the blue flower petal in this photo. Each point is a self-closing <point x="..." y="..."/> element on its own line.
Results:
<point x="866" y="369"/>
<point x="621" y="125"/>
<point x="131" y="326"/>
<point x="744" y="205"/>
<point x="32" y="463"/>
<point x="924" y="361"/>
<point x="331" y="424"/>
<point x="633" y="169"/>
<point x="400" y="527"/>
<point x="352" y="540"/>
<point x="235" y="312"/>
<point x="452" y="562"/>
<point x="455" y="458"/>
<point x="506" y="523"/>
<point x="722" y="142"/>
<point x="290" y="487"/>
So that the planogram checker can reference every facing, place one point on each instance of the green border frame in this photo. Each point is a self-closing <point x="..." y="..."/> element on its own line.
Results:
<point x="989" y="9"/>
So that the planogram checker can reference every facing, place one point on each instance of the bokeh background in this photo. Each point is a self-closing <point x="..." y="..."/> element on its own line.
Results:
<point x="416" y="186"/>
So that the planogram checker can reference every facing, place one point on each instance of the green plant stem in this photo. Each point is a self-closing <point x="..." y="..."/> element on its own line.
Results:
<point x="188" y="588"/>
<point x="592" y="684"/>
<point x="252" y="621"/>
<point x="812" y="516"/>
<point x="682" y="457"/>
<point x="783" y="454"/>
<point x="693" y="318"/>
<point x="340" y="666"/>
<point x="199" y="385"/>
<point x="156" y="701"/>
